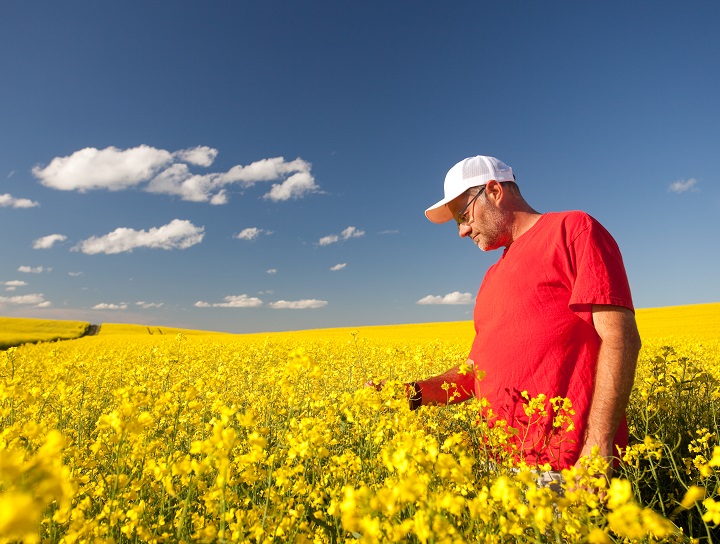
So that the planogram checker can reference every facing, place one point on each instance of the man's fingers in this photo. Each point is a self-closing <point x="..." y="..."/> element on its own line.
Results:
<point x="377" y="386"/>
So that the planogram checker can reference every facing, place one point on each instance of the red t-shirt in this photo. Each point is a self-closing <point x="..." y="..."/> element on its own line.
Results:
<point x="534" y="329"/>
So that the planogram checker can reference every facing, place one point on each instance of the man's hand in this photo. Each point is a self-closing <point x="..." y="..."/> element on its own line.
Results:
<point x="434" y="390"/>
<point x="378" y="386"/>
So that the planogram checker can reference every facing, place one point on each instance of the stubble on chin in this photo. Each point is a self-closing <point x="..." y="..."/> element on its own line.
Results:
<point x="480" y="246"/>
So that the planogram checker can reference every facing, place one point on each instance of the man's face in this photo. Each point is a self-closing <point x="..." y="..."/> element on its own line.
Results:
<point x="482" y="219"/>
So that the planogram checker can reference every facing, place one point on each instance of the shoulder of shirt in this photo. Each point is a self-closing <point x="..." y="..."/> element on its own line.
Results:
<point x="573" y="219"/>
<point x="576" y="216"/>
<point x="572" y="224"/>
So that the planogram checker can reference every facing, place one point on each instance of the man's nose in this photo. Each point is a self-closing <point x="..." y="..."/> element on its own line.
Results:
<point x="464" y="230"/>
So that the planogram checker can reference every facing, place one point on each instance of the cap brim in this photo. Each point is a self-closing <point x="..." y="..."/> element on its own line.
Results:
<point x="440" y="213"/>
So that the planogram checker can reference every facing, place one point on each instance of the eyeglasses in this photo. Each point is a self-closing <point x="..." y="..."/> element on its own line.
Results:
<point x="461" y="219"/>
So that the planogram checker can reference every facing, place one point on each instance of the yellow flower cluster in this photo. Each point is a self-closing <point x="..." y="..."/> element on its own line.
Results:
<point x="174" y="438"/>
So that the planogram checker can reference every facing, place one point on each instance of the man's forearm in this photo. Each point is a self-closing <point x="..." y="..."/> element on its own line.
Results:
<point x="614" y="377"/>
<point x="449" y="387"/>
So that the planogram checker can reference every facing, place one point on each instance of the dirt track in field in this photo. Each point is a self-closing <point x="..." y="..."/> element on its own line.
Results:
<point x="92" y="330"/>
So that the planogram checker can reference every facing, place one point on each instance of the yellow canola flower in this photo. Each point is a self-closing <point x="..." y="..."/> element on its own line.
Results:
<point x="29" y="483"/>
<point x="619" y="493"/>
<point x="598" y="536"/>
<point x="421" y="526"/>
<point x="712" y="511"/>
<point x="693" y="495"/>
<point x="19" y="516"/>
<point x="715" y="461"/>
<point x="634" y="522"/>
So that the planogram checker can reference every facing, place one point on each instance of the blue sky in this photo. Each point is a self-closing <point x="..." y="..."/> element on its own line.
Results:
<point x="260" y="166"/>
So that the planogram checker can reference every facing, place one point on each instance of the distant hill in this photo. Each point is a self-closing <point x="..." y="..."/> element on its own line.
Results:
<point x="696" y="320"/>
<point x="16" y="330"/>
<point x="121" y="328"/>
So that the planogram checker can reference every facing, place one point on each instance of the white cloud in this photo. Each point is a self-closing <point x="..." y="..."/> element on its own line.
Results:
<point x="451" y="298"/>
<point x="178" y="234"/>
<point x="352" y="232"/>
<point x="201" y="155"/>
<point x="327" y="240"/>
<point x="9" y="201"/>
<point x="271" y="271"/>
<point x="219" y="198"/>
<point x="110" y="168"/>
<point x="107" y="306"/>
<point x="13" y="284"/>
<point x="232" y="301"/>
<point x="36" y="300"/>
<point x="148" y="305"/>
<point x="250" y="233"/>
<point x="75" y="274"/>
<point x="165" y="172"/>
<point x="338" y="266"/>
<point x="296" y="186"/>
<point x="46" y="242"/>
<point x="346" y="234"/>
<point x="178" y="181"/>
<point x="680" y="186"/>
<point x="298" y="304"/>
<point x="264" y="170"/>
<point x="246" y="301"/>
<point x="32" y="270"/>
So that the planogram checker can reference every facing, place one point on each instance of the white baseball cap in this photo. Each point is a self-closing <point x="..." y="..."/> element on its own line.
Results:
<point x="469" y="172"/>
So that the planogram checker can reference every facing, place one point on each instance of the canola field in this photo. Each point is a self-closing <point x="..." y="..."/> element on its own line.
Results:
<point x="16" y="331"/>
<point x="136" y="435"/>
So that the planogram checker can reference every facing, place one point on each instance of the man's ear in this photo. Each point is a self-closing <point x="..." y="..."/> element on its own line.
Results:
<point x="494" y="191"/>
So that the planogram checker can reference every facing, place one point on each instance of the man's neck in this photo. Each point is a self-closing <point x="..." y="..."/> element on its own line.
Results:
<point x="523" y="221"/>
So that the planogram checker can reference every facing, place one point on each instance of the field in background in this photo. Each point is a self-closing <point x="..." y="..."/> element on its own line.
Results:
<point x="445" y="331"/>
<point x="698" y="320"/>
<point x="15" y="331"/>
<point x="115" y="329"/>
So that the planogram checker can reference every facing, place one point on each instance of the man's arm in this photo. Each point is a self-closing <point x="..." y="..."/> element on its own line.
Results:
<point x="435" y="391"/>
<point x="614" y="376"/>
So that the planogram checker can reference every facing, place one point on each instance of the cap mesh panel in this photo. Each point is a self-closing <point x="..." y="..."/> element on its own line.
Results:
<point x="475" y="167"/>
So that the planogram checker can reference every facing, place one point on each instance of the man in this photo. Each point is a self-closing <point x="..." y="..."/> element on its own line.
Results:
<point x="553" y="316"/>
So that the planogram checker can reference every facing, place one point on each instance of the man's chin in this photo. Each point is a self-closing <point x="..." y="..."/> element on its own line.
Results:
<point x="481" y="247"/>
<point x="484" y="246"/>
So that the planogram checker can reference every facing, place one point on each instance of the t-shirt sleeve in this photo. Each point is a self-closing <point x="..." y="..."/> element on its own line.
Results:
<point x="600" y="276"/>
